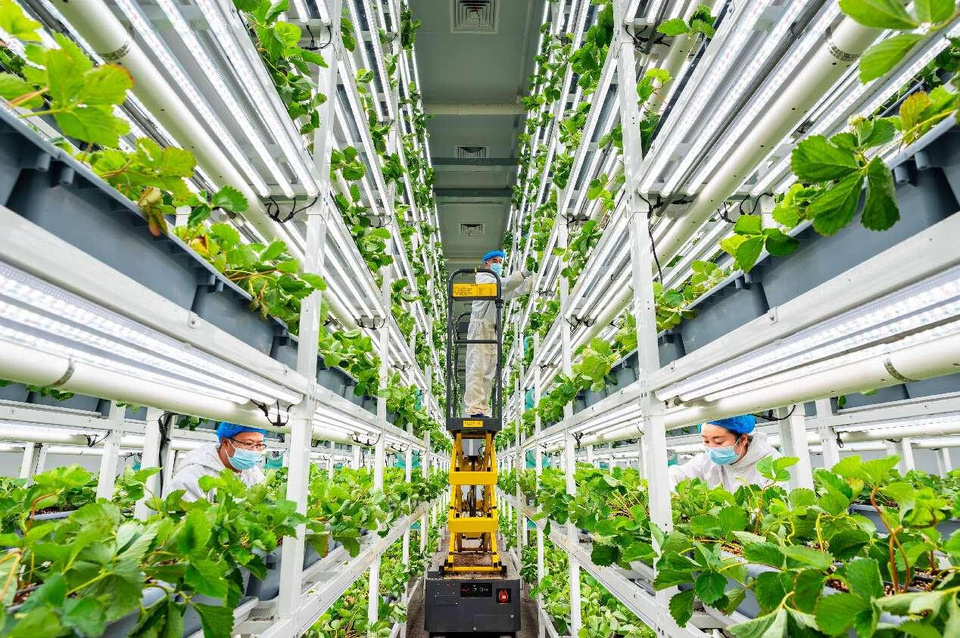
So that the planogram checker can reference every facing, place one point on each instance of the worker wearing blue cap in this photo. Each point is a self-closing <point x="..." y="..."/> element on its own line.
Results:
<point x="238" y="448"/>
<point x="482" y="357"/>
<point x="731" y="452"/>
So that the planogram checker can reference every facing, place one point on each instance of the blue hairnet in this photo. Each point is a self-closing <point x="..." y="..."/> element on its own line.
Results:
<point x="742" y="424"/>
<point x="495" y="253"/>
<point x="228" y="430"/>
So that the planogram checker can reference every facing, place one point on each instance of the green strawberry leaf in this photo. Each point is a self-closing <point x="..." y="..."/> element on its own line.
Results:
<point x="836" y="207"/>
<point x="230" y="198"/>
<point x="816" y="159"/>
<point x="881" y="210"/>
<point x="880" y="14"/>
<point x="681" y="607"/>
<point x="673" y="27"/>
<point x="886" y="54"/>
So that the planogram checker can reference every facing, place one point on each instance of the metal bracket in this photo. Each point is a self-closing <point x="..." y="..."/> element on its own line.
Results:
<point x="361" y="321"/>
<point x="366" y="442"/>
<point x="280" y="422"/>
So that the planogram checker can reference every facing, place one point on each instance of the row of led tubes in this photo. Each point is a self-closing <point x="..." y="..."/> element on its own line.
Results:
<point x="32" y="292"/>
<point x="607" y="293"/>
<point x="353" y="99"/>
<point x="722" y="51"/>
<point x="829" y="16"/>
<point x="744" y="78"/>
<point x="910" y="309"/>
<point x="381" y="68"/>
<point x="172" y="66"/>
<point x="593" y="123"/>
<point x="361" y="51"/>
<point x="135" y="131"/>
<point x="159" y="47"/>
<point x="773" y="84"/>
<point x="614" y="232"/>
<point x="247" y="76"/>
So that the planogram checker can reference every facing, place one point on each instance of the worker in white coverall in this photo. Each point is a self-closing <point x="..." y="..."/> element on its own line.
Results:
<point x="730" y="455"/>
<point x="482" y="357"/>
<point x="238" y="448"/>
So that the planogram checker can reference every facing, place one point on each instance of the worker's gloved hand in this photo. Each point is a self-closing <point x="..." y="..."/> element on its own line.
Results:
<point x="526" y="273"/>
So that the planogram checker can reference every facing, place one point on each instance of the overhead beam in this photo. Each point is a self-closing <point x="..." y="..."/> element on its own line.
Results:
<point x="474" y="164"/>
<point x="474" y="109"/>
<point x="473" y="195"/>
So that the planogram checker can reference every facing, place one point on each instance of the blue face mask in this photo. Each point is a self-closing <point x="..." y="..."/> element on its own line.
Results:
<point x="243" y="459"/>
<point x="724" y="455"/>
<point x="497" y="268"/>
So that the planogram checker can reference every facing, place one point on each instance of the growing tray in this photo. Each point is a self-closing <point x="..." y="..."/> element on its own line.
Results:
<point x="50" y="188"/>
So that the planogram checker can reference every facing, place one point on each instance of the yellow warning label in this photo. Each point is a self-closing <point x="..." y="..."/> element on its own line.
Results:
<point x="475" y="290"/>
<point x="473" y="424"/>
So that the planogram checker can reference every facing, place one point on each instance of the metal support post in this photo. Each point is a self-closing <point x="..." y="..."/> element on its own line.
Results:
<point x="111" y="452"/>
<point x="169" y="463"/>
<point x="828" y="438"/>
<point x="538" y="466"/>
<point x="41" y="459"/>
<point x="26" y="462"/>
<point x="944" y="462"/>
<point x="642" y="252"/>
<point x="904" y="450"/>
<point x="373" y="596"/>
<point x="356" y="457"/>
<point x="518" y="457"/>
<point x="576" y="621"/>
<point x="301" y="415"/>
<point x="793" y="442"/>
<point x="150" y="458"/>
<point x="589" y="455"/>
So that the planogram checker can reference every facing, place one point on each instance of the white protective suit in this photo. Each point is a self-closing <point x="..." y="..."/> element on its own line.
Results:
<point x="732" y="476"/>
<point x="205" y="461"/>
<point x="482" y="357"/>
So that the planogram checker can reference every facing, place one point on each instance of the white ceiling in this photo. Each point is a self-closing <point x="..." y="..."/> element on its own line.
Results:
<point x="473" y="73"/>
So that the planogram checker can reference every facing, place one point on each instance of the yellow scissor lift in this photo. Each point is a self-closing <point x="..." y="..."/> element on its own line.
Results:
<point x="473" y="520"/>
<point x="469" y="588"/>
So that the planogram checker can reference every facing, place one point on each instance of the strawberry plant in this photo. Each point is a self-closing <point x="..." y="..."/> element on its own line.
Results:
<point x="63" y="83"/>
<point x="701" y="22"/>
<point x="267" y="273"/>
<point x="290" y="65"/>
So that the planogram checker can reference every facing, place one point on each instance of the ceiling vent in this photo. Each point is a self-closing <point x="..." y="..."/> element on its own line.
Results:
<point x="474" y="16"/>
<point x="472" y="152"/>
<point x="471" y="230"/>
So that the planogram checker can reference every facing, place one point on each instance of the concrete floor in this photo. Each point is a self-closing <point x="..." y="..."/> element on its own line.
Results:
<point x="528" y="621"/>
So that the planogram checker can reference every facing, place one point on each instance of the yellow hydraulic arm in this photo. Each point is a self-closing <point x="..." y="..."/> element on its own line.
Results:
<point x="473" y="519"/>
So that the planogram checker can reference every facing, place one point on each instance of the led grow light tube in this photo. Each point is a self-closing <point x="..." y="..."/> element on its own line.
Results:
<point x="933" y="300"/>
<point x="321" y="6"/>
<point x="771" y="86"/>
<point x="687" y="110"/>
<point x="44" y="306"/>
<point x="706" y="92"/>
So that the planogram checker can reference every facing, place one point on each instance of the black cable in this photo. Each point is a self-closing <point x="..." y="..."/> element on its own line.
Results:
<point x="653" y="245"/>
<point x="769" y="416"/>
<point x="313" y="40"/>
<point x="725" y="215"/>
<point x="653" y="248"/>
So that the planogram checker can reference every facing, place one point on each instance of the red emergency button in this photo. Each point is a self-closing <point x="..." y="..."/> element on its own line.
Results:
<point x="503" y="595"/>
